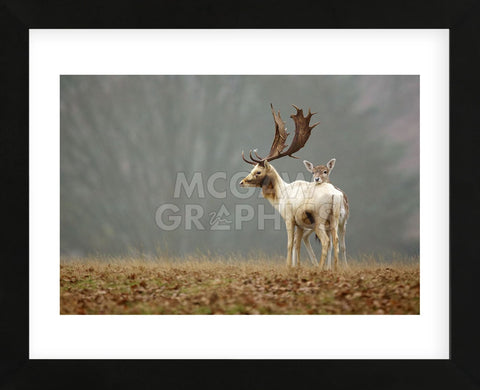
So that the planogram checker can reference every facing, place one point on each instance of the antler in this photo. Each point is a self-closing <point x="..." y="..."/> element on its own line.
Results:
<point x="302" y="133"/>
<point x="280" y="135"/>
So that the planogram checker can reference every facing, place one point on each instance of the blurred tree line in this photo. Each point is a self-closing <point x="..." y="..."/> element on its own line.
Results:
<point x="124" y="139"/>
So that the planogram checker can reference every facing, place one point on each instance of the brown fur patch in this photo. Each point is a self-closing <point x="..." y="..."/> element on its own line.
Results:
<point x="268" y="188"/>
<point x="309" y="219"/>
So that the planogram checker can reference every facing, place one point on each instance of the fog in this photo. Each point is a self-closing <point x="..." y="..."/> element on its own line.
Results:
<point x="140" y="155"/>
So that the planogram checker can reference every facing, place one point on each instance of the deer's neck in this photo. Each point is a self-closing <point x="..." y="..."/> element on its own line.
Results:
<point x="273" y="187"/>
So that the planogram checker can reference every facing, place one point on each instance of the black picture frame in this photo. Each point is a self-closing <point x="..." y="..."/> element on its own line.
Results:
<point x="461" y="370"/>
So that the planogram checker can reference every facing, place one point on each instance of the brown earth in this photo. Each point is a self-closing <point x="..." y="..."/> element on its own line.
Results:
<point x="112" y="286"/>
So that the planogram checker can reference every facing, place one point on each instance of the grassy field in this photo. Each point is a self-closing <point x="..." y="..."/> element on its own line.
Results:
<point x="228" y="286"/>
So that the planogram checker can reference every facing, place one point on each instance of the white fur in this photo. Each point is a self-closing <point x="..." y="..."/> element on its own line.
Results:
<point x="292" y="200"/>
<point x="341" y="226"/>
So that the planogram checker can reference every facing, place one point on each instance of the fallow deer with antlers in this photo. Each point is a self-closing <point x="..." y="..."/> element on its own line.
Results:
<point x="321" y="174"/>
<point x="303" y="205"/>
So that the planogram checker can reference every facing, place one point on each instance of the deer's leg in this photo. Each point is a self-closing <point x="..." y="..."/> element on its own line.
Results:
<point x="296" y="246"/>
<point x="329" y="253"/>
<point x="311" y="253"/>
<point x="343" y="248"/>
<point x="294" y="254"/>
<point x="334" y="235"/>
<point x="323" y="236"/>
<point x="290" y="232"/>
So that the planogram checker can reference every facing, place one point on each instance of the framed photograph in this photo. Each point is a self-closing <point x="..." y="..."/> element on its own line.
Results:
<point x="143" y="214"/>
<point x="116" y="131"/>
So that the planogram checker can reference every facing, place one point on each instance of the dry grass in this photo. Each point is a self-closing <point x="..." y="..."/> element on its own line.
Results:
<point x="206" y="285"/>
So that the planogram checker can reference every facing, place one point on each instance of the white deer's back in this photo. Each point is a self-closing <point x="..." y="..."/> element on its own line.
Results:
<point x="307" y="196"/>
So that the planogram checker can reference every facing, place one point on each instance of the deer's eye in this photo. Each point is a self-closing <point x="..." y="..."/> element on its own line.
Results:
<point x="325" y="172"/>
<point x="258" y="172"/>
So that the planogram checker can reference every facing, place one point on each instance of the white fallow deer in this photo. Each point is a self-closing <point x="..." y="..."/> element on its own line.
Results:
<point x="303" y="205"/>
<point x="321" y="174"/>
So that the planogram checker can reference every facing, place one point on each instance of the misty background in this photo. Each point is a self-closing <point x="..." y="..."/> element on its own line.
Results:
<point x="125" y="139"/>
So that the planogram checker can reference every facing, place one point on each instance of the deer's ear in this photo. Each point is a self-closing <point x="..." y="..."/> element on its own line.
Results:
<point x="308" y="165"/>
<point x="266" y="164"/>
<point x="331" y="163"/>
